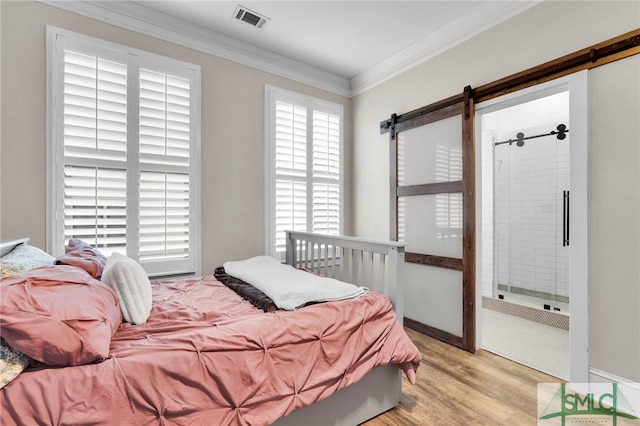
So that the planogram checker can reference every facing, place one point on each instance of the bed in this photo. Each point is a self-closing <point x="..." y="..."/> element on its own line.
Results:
<point x="207" y="356"/>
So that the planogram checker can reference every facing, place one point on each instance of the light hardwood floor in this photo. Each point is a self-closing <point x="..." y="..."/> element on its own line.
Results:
<point x="454" y="387"/>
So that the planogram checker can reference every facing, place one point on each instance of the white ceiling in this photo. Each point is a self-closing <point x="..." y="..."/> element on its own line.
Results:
<point x="344" y="38"/>
<point x="341" y="46"/>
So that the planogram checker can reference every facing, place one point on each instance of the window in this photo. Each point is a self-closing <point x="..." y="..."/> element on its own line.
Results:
<point x="303" y="167"/>
<point x="122" y="152"/>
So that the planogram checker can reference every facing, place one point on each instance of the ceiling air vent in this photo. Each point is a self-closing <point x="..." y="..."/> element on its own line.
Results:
<point x="250" y="17"/>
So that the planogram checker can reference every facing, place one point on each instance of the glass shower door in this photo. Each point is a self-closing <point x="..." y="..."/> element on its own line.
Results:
<point x="531" y="201"/>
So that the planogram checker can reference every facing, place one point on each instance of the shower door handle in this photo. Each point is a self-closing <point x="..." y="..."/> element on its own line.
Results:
<point x="565" y="218"/>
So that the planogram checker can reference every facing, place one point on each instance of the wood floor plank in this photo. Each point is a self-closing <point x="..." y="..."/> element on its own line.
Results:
<point x="455" y="387"/>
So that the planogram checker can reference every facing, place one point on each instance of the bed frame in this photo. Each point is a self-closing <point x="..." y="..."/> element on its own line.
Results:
<point x="373" y="264"/>
<point x="8" y="245"/>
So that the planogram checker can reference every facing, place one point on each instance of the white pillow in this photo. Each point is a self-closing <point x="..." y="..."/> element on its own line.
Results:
<point x="132" y="286"/>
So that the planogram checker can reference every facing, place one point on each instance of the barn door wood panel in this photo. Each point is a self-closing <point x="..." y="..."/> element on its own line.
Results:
<point x="432" y="180"/>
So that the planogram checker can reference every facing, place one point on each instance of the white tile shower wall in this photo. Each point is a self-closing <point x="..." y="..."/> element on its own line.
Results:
<point x="524" y="200"/>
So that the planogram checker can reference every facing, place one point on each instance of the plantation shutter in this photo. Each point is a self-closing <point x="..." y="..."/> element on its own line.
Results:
<point x="123" y="162"/>
<point x="95" y="143"/>
<point x="164" y="166"/>
<point x="306" y="166"/>
<point x="326" y="173"/>
<point x="291" y="170"/>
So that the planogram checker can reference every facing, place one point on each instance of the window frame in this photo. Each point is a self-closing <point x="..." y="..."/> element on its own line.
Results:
<point x="273" y="94"/>
<point x="55" y="161"/>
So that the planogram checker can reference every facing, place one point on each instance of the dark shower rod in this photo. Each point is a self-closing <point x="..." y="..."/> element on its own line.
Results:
<point x="560" y="132"/>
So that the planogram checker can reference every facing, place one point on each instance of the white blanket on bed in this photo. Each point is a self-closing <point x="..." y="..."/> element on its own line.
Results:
<point x="288" y="287"/>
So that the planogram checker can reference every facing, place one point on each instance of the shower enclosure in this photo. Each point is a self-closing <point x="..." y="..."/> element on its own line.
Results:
<point x="526" y="202"/>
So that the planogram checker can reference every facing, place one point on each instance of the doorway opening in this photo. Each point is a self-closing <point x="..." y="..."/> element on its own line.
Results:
<point x="531" y="149"/>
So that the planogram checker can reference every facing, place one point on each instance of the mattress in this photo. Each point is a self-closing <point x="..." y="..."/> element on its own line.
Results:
<point x="207" y="357"/>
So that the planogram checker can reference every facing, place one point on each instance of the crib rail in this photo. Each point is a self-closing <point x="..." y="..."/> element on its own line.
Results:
<point x="378" y="265"/>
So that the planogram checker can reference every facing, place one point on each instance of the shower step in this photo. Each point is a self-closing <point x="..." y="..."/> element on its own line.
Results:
<point x="541" y="316"/>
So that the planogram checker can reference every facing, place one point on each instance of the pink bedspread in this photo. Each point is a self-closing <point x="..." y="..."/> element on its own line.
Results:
<point x="206" y="357"/>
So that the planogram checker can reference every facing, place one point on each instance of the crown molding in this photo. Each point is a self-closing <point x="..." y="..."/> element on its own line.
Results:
<point x="135" y="17"/>
<point x="143" y="20"/>
<point x="465" y="27"/>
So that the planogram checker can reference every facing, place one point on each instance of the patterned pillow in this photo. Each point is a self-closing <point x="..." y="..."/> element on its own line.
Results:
<point x="28" y="257"/>
<point x="12" y="363"/>
<point x="8" y="269"/>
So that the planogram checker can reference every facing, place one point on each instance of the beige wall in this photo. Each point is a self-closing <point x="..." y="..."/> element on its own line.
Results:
<point x="545" y="32"/>
<point x="232" y="131"/>
<point x="614" y="217"/>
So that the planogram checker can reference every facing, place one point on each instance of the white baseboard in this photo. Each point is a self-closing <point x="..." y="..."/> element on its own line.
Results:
<point x="599" y="376"/>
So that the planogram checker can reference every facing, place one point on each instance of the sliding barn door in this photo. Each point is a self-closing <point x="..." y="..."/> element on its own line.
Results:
<point x="433" y="211"/>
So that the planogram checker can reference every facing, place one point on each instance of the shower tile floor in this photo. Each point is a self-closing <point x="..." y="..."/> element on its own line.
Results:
<point x="526" y="342"/>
